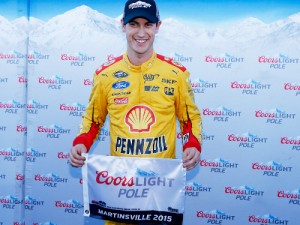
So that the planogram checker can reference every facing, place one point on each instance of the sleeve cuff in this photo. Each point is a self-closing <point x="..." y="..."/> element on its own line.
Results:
<point x="81" y="140"/>
<point x="192" y="143"/>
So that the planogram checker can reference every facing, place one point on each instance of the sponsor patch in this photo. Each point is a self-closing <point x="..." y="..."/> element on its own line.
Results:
<point x="121" y="85"/>
<point x="120" y="101"/>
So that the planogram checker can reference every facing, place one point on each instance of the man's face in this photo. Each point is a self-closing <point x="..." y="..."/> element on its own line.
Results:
<point x="140" y="34"/>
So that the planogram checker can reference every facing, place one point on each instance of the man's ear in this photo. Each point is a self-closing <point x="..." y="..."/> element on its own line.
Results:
<point x="122" y="24"/>
<point x="158" y="26"/>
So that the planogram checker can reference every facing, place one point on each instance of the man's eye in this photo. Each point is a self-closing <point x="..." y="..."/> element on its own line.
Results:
<point x="150" y="24"/>
<point x="132" y="24"/>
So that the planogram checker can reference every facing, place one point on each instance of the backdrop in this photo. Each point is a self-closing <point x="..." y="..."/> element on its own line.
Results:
<point x="244" y="64"/>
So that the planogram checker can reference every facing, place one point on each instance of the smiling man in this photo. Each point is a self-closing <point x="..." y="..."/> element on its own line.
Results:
<point x="143" y="93"/>
<point x="140" y="23"/>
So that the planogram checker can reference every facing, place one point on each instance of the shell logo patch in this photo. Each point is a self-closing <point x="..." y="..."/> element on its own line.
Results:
<point x="140" y="118"/>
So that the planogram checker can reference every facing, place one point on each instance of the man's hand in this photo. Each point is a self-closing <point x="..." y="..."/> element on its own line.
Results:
<point x="190" y="158"/>
<point x="76" y="159"/>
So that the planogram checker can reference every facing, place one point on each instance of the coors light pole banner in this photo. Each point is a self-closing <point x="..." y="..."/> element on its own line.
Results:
<point x="138" y="190"/>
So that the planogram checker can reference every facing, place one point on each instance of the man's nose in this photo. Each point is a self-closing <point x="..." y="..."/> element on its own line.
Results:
<point x="141" y="32"/>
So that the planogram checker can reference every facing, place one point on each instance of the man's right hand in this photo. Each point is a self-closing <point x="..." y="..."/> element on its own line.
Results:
<point x="76" y="159"/>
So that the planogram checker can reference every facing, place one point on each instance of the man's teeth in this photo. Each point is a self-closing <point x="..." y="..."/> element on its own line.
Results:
<point x="140" y="41"/>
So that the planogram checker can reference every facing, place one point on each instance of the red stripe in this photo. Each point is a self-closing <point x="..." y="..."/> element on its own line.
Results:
<point x="108" y="64"/>
<point x="171" y="62"/>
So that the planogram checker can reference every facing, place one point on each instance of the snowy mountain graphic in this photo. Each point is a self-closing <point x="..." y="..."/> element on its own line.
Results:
<point x="273" y="163"/>
<point x="245" y="187"/>
<point x="220" y="160"/>
<point x="88" y="28"/>
<point x="10" y="34"/>
<point x="74" y="26"/>
<point x="143" y="173"/>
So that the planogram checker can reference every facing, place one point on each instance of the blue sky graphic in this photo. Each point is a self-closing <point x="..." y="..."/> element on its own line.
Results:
<point x="205" y="11"/>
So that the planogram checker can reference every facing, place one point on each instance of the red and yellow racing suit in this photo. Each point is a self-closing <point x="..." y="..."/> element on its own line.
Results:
<point x="142" y="103"/>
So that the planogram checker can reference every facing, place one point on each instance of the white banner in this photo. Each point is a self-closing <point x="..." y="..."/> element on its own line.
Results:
<point x="135" y="190"/>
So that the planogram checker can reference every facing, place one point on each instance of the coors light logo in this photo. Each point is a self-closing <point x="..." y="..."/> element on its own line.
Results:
<point x="10" y="202"/>
<point x="224" y="61"/>
<point x="200" y="86"/>
<point x="11" y="154"/>
<point x="271" y="169"/>
<point x="70" y="206"/>
<point x="181" y="58"/>
<point x="246" y="140"/>
<point x="33" y="154"/>
<point x="279" y="61"/>
<point x="76" y="59"/>
<point x="293" y="87"/>
<point x="13" y="57"/>
<point x="214" y="216"/>
<point x="74" y="109"/>
<point x="249" y="87"/>
<point x="12" y="106"/>
<point x="266" y="219"/>
<point x="218" y="165"/>
<point x="54" y="82"/>
<point x="274" y="116"/>
<point x="292" y="197"/>
<point x="50" y="179"/>
<point x="34" y="106"/>
<point x="53" y="131"/>
<point x="143" y="179"/>
<point x="221" y="114"/>
<point x="30" y="203"/>
<point x="291" y="141"/>
<point x="193" y="189"/>
<point x="35" y="57"/>
<point x="244" y="192"/>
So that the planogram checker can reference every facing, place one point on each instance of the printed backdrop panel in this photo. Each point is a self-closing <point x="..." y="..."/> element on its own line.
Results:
<point x="155" y="189"/>
<point x="245" y="78"/>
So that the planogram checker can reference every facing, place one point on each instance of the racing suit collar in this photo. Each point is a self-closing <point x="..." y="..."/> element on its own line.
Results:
<point x="146" y="65"/>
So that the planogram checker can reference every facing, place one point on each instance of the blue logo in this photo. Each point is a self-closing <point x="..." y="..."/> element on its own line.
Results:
<point x="121" y="85"/>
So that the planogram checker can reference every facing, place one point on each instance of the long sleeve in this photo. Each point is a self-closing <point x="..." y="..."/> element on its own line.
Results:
<point x="188" y="114"/>
<point x="94" y="117"/>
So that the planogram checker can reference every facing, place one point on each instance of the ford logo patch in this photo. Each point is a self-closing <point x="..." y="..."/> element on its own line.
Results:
<point x="121" y="85"/>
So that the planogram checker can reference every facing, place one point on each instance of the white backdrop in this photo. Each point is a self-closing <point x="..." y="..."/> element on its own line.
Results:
<point x="246" y="82"/>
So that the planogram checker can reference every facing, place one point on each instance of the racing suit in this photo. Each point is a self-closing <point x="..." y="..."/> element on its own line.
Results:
<point x="142" y="103"/>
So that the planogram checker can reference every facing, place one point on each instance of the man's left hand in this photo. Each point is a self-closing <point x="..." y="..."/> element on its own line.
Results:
<point x="190" y="158"/>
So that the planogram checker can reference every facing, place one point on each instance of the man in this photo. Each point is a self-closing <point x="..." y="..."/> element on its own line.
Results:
<point x="143" y="93"/>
